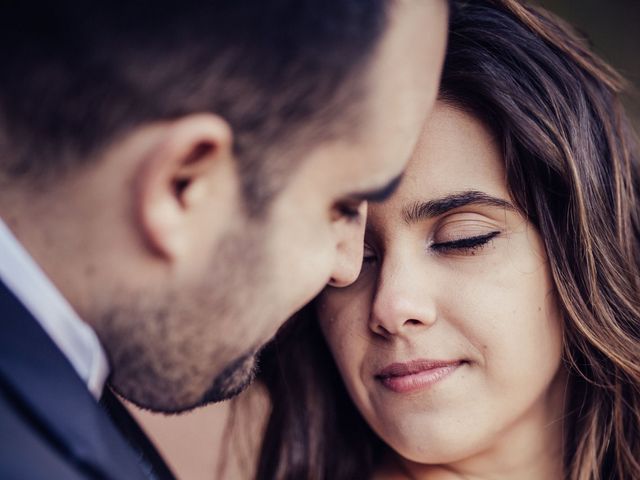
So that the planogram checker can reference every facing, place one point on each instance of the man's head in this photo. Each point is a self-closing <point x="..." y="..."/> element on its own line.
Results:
<point x="191" y="175"/>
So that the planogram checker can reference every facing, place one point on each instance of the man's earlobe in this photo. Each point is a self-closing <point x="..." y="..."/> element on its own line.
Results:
<point x="188" y="172"/>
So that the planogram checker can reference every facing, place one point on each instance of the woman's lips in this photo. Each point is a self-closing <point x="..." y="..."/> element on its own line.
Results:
<point x="415" y="375"/>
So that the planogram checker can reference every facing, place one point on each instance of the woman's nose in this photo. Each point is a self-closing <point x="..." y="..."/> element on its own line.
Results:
<point x="403" y="301"/>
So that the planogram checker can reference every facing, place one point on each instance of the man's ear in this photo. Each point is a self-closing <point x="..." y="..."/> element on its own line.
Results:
<point x="187" y="185"/>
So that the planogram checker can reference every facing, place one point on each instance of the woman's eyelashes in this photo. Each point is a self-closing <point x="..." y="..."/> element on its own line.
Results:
<point x="467" y="245"/>
<point x="368" y="255"/>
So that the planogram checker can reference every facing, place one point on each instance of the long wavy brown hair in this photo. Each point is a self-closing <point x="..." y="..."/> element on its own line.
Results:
<point x="572" y="168"/>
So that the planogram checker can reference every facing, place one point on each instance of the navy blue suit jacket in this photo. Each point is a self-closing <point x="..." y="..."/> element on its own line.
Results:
<point x="51" y="427"/>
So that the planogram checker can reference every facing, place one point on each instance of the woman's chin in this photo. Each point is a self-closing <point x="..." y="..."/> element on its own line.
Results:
<point x="434" y="445"/>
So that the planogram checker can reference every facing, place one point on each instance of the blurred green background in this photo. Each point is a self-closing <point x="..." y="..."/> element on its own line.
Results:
<point x="613" y="27"/>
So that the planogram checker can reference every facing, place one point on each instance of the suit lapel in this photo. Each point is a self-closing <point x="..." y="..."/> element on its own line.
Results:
<point x="56" y="399"/>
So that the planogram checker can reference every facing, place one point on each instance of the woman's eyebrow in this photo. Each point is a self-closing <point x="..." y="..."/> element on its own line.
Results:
<point x="438" y="206"/>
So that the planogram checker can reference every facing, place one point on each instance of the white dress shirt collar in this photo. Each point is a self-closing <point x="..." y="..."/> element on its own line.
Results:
<point x="77" y="340"/>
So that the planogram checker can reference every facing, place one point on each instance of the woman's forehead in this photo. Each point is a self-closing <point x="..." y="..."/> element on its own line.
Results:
<point x="457" y="153"/>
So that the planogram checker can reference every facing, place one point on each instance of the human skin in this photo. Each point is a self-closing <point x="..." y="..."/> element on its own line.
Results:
<point x="152" y="246"/>
<point x="462" y="281"/>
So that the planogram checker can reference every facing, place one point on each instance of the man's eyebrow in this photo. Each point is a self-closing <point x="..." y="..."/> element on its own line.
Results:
<point x="378" y="194"/>
<point x="439" y="206"/>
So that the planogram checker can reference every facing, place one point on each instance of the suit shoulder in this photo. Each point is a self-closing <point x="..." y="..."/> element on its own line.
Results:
<point x="27" y="453"/>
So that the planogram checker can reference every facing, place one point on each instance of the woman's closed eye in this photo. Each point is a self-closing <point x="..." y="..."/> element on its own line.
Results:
<point x="464" y="233"/>
<point x="468" y="244"/>
<point x="368" y="255"/>
<point x="457" y="235"/>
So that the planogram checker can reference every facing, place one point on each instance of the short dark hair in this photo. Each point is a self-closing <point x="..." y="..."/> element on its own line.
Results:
<point x="77" y="75"/>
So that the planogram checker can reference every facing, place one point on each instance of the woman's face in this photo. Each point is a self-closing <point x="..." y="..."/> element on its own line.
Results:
<point x="450" y="340"/>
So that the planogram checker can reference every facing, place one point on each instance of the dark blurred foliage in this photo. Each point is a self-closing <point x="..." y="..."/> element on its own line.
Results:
<point x="613" y="28"/>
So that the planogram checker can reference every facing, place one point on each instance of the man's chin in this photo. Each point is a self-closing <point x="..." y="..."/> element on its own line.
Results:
<point x="215" y="395"/>
<point x="233" y="380"/>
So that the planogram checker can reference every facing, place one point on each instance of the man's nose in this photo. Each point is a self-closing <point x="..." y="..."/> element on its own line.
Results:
<point x="349" y="249"/>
